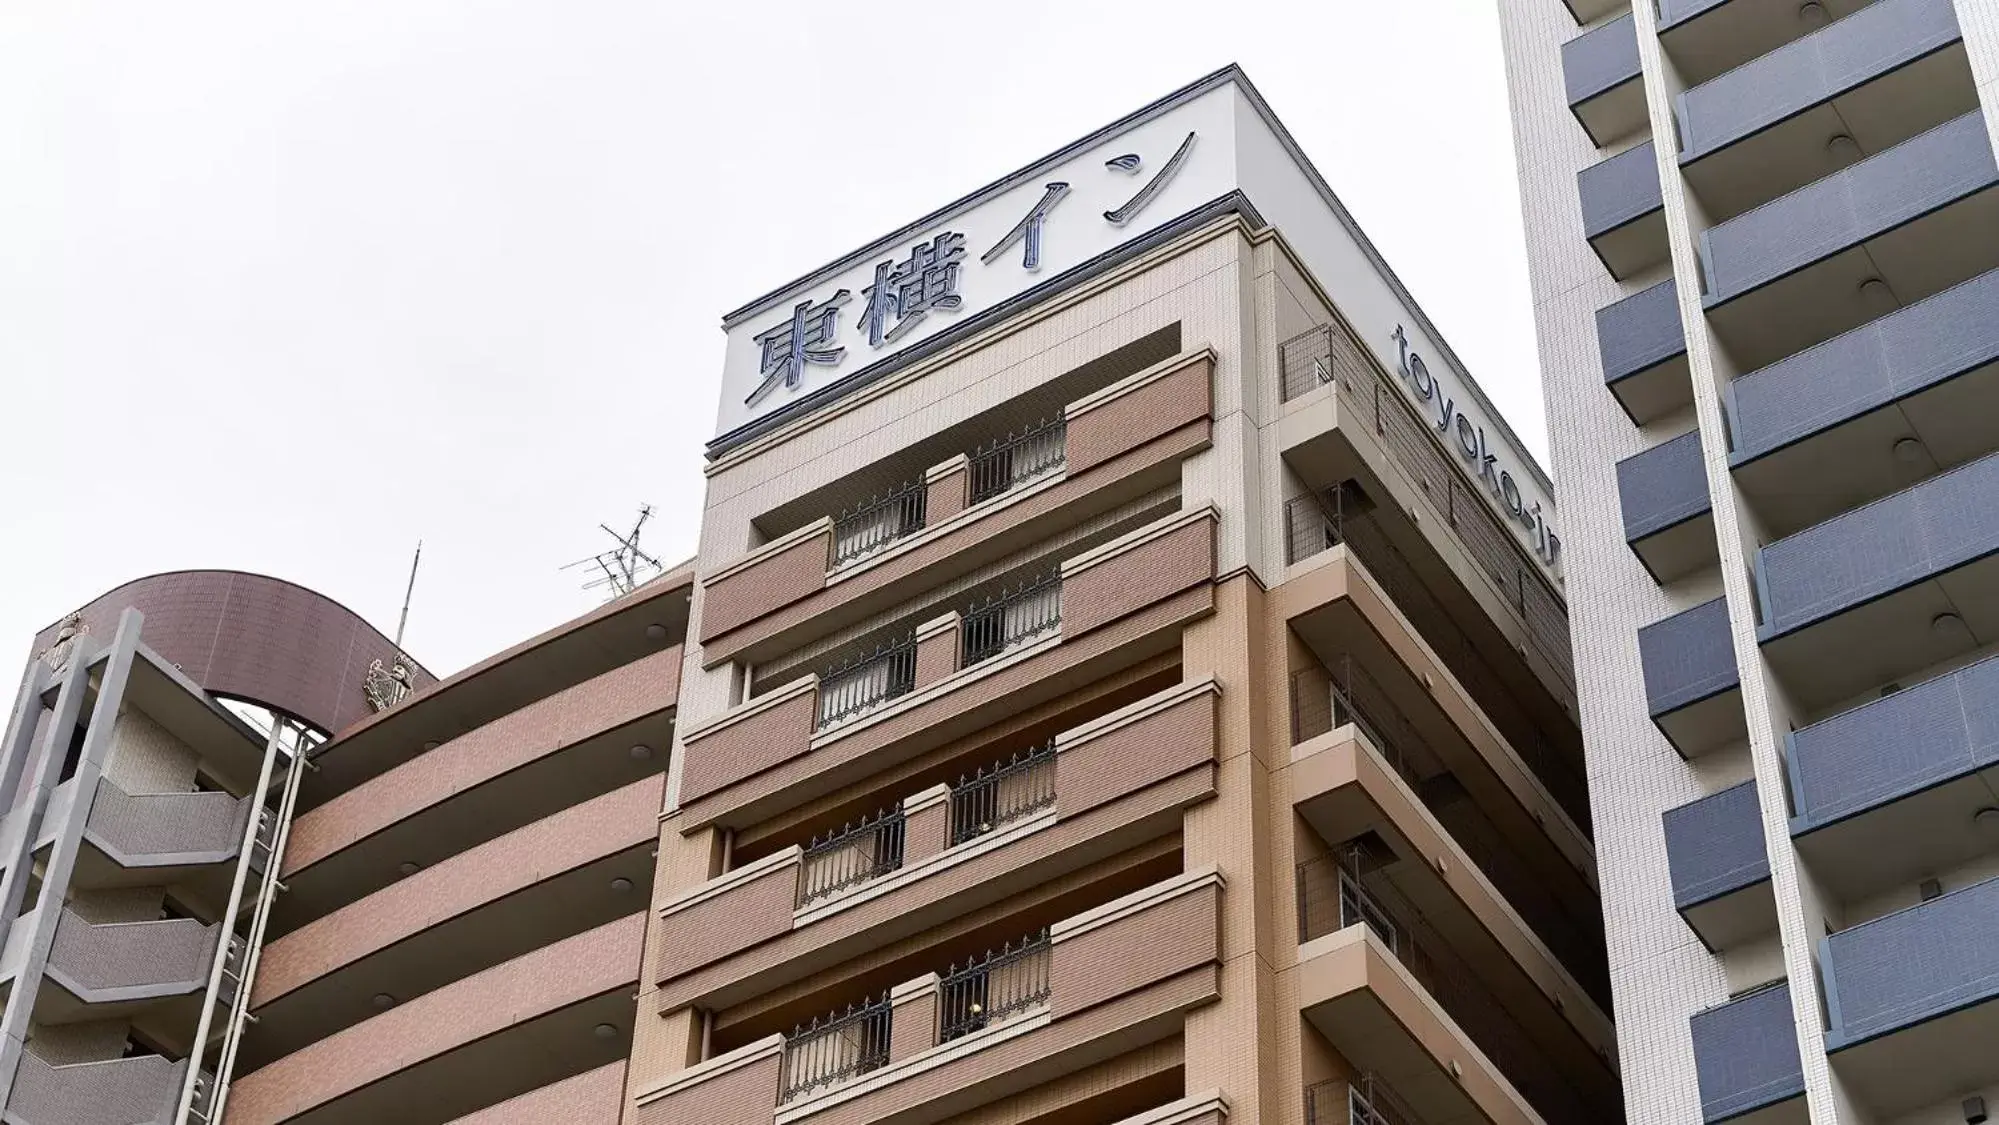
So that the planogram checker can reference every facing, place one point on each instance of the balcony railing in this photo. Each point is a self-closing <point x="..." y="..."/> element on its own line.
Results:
<point x="1353" y="696"/>
<point x="857" y="686"/>
<point x="113" y="959"/>
<point x="993" y="797"/>
<point x="1311" y="360"/>
<point x="1365" y="1100"/>
<point x="1010" y="618"/>
<point x="835" y="1048"/>
<point x="879" y="522"/>
<point x="993" y="987"/>
<point x="1333" y="896"/>
<point x="138" y="825"/>
<point x="857" y="853"/>
<point x="1746" y="1053"/>
<point x="1313" y="525"/>
<point x="1017" y="459"/>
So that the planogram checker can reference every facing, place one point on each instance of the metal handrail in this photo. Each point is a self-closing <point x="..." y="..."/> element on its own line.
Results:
<point x="1011" y="461"/>
<point x="1363" y="1100"/>
<point x="993" y="986"/>
<point x="1010" y="618"/>
<point x="867" y="681"/>
<point x="835" y="1048"/>
<point x="994" y="796"/>
<point x="867" y="528"/>
<point x="858" y="852"/>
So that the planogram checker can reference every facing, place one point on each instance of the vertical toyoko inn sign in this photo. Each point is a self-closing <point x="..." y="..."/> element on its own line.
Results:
<point x="1211" y="147"/>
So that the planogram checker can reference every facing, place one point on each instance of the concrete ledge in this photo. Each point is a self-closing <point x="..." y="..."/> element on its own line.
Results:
<point x="1134" y="712"/>
<point x="1132" y="540"/>
<point x="1069" y="929"/>
<point x="1130" y="383"/>
<point x="821" y="526"/>
<point x="768" y="1047"/>
<point x="727" y="881"/>
<point x="806" y="683"/>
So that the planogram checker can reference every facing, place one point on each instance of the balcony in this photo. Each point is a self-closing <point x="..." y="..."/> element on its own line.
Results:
<point x="1801" y="269"/>
<point x="1917" y="767"/>
<point x="553" y="754"/>
<point x="1871" y="595"/>
<point x="1102" y="610"/>
<point x="580" y="868"/>
<point x="1018" y="1017"/>
<point x="141" y="1090"/>
<point x="1600" y="74"/>
<point x="1391" y="1002"/>
<point x="138" y="839"/>
<point x="1644" y="353"/>
<point x="1454" y="562"/>
<point x="1624" y="215"/>
<point x="943" y="852"/>
<point x="101" y="970"/>
<point x="1105" y="450"/>
<point x="1388" y="853"/>
<point x="1829" y="429"/>
<point x="1704" y="38"/>
<point x="1691" y="684"/>
<point x="1720" y="867"/>
<point x="494" y="1035"/>
<point x="1668" y="522"/>
<point x="1909" y="1013"/>
<point x="1365" y="1099"/>
<point x="1746" y="1059"/>
<point x="1891" y="70"/>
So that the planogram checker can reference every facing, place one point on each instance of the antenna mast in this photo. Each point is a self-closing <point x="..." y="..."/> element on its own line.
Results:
<point x="624" y="568"/>
<point x="408" y="591"/>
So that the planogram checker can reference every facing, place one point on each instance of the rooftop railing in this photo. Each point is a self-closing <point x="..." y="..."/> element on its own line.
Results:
<point x="1312" y="360"/>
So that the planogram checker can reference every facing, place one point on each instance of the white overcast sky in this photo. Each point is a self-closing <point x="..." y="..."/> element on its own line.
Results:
<point x="285" y="287"/>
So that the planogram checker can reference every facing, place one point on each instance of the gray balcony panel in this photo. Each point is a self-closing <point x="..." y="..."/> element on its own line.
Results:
<point x="1942" y="523"/>
<point x="1687" y="657"/>
<point x="1644" y="352"/>
<point x="150" y="829"/>
<point x="1639" y="332"/>
<point x="1898" y="745"/>
<point x="1672" y="13"/>
<point x="1623" y="216"/>
<point x="1874" y="365"/>
<point x="1619" y="189"/>
<point x="108" y="963"/>
<point x="1817" y="68"/>
<point x="1870" y="198"/>
<point x="1601" y="59"/>
<point x="1912" y="966"/>
<point x="1746" y="1054"/>
<point x="143" y="1090"/>
<point x="1715" y="845"/>
<point x="1663" y="486"/>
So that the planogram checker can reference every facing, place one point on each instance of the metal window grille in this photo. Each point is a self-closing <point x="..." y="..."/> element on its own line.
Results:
<point x="993" y="987"/>
<point x="1012" y="617"/>
<point x="1365" y="1100"/>
<point x="879" y="522"/>
<point x="1004" y="792"/>
<point x="1331" y="897"/>
<point x="857" y="853"/>
<point x="1309" y="527"/>
<point x="1015" y="459"/>
<point x="835" y="1048"/>
<point x="868" y="681"/>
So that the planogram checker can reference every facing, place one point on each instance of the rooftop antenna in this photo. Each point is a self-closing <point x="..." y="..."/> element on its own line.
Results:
<point x="403" y="621"/>
<point x="624" y="568"/>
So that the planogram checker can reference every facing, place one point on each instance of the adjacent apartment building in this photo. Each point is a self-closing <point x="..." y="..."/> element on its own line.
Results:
<point x="1764" y="243"/>
<point x="1124" y="680"/>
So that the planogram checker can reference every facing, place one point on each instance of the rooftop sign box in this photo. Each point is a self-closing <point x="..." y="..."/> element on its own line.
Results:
<point x="1204" y="150"/>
